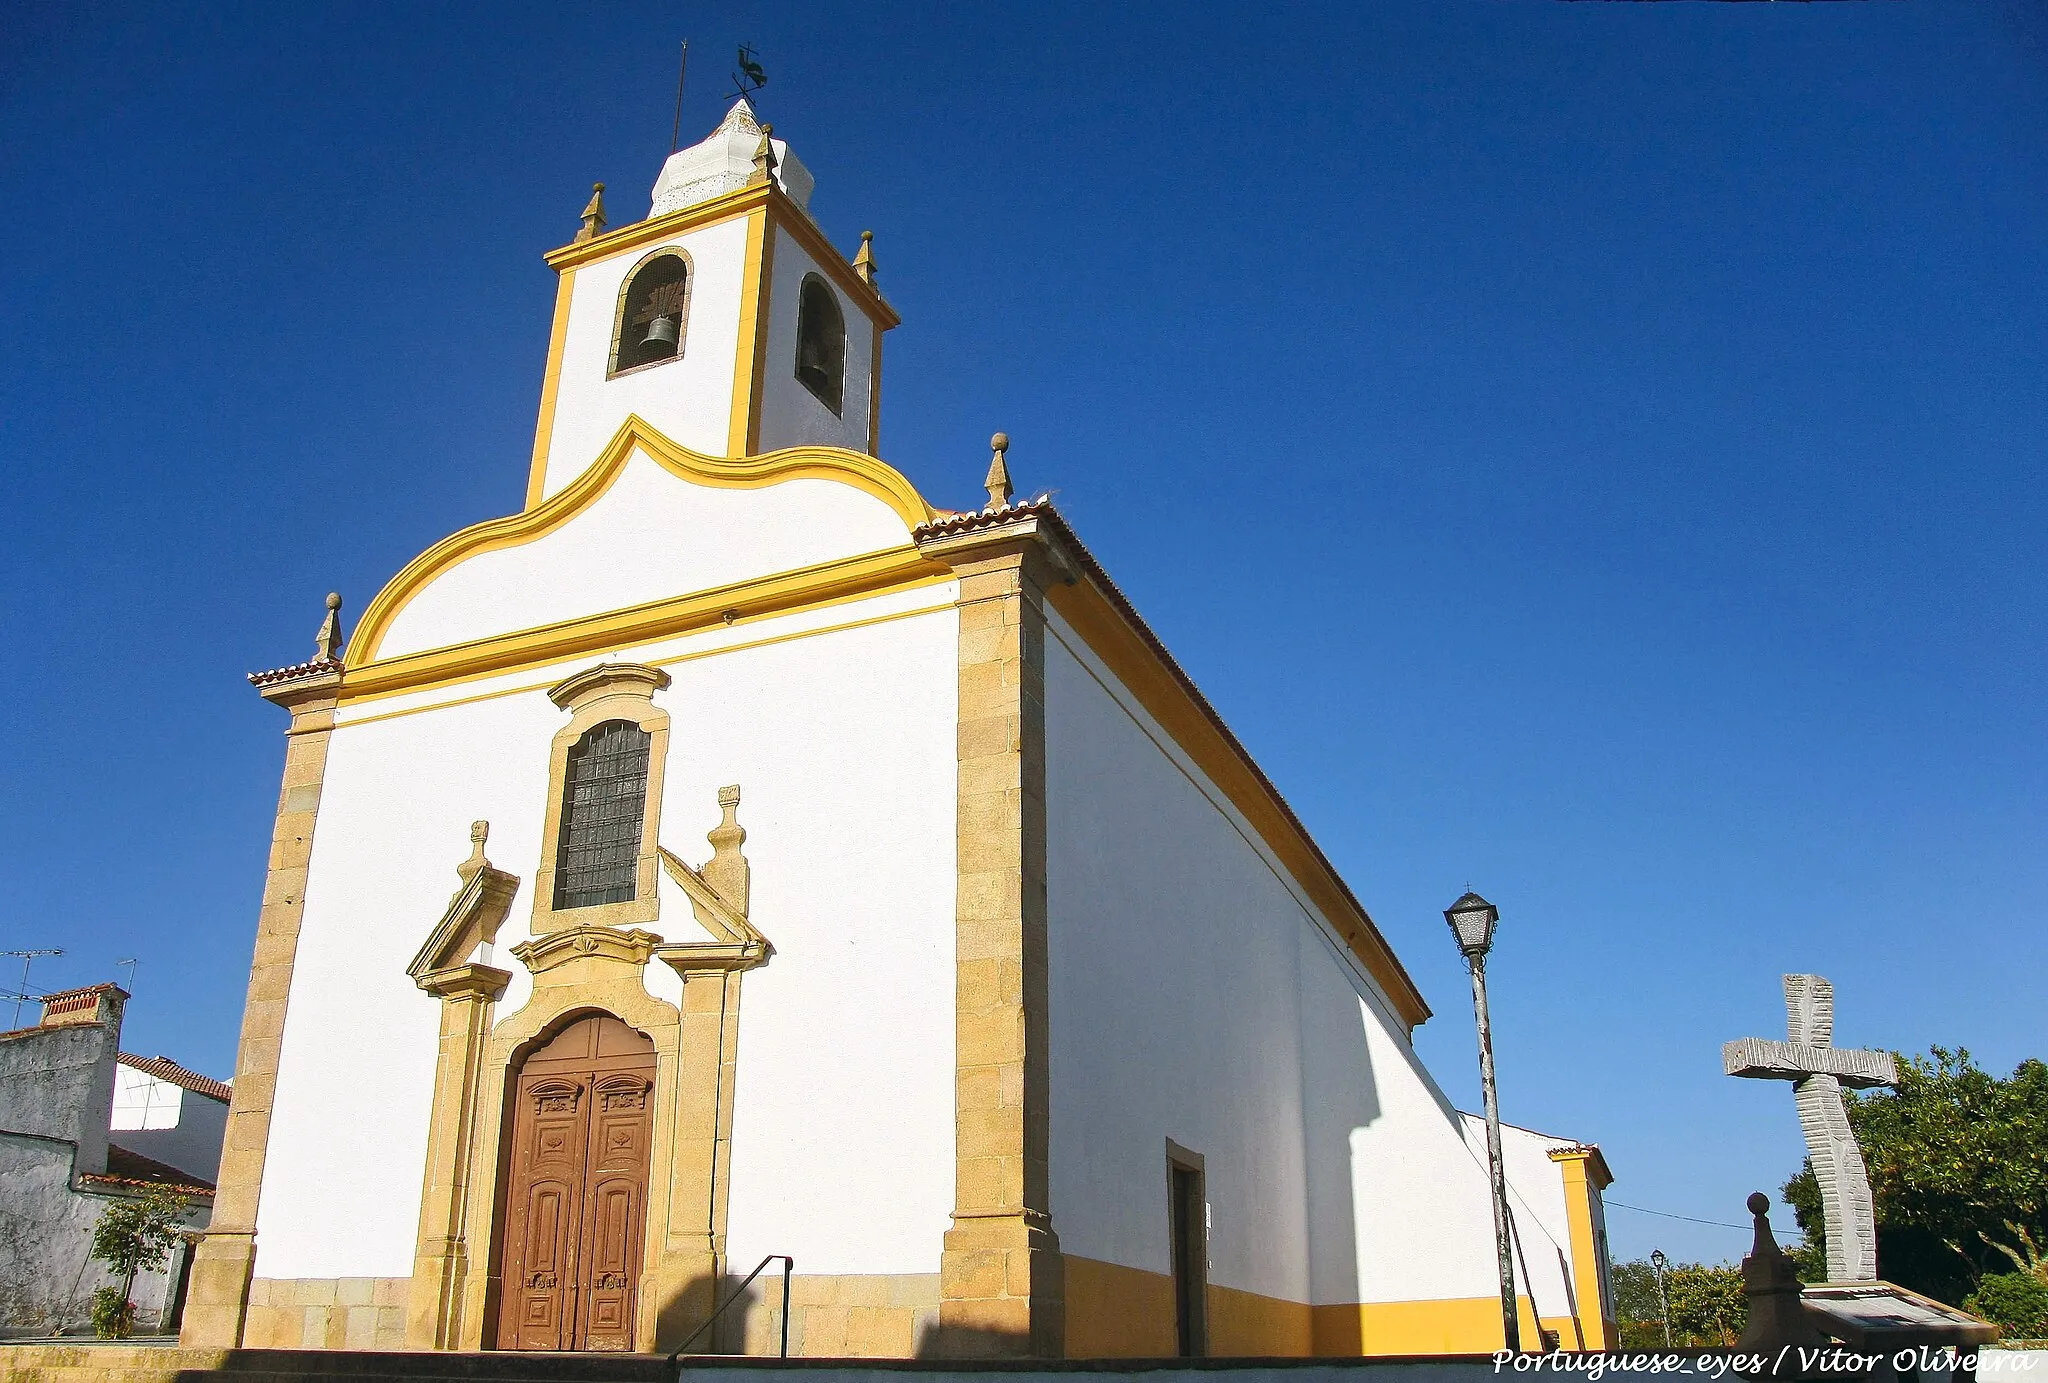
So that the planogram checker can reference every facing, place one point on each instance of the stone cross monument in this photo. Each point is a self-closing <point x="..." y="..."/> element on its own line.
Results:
<point x="1819" y="1071"/>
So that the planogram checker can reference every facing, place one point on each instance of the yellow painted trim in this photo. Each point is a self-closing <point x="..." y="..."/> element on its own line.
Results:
<point x="807" y="587"/>
<point x="643" y="233"/>
<point x="743" y="427"/>
<point x="1456" y="1325"/>
<point x="1131" y="660"/>
<point x="858" y="469"/>
<point x="527" y="687"/>
<point x="826" y="256"/>
<point x="550" y="386"/>
<point x="1585" y="1174"/>
<point x="724" y="208"/>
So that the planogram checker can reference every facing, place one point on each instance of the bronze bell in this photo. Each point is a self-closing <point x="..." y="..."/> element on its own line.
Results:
<point x="661" y="336"/>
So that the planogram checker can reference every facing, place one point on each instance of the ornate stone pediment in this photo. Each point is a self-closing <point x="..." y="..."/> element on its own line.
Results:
<point x="597" y="945"/>
<point x="473" y="918"/>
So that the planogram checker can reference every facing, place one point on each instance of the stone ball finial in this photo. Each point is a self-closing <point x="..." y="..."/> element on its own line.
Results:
<point x="597" y="187"/>
<point x="866" y="236"/>
<point x="1759" y="1203"/>
<point x="1000" y="442"/>
<point x="334" y="600"/>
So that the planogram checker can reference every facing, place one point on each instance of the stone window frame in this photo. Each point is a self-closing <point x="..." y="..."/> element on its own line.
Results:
<point x="609" y="691"/>
<point x="619" y="323"/>
<point x="796" y="367"/>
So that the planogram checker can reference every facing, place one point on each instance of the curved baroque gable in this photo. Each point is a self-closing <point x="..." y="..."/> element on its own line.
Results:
<point x="649" y="520"/>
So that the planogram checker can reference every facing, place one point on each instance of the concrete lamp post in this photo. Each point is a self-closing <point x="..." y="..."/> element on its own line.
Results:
<point x="1472" y="921"/>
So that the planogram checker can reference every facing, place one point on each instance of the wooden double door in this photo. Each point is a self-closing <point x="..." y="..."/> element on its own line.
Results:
<point x="576" y="1190"/>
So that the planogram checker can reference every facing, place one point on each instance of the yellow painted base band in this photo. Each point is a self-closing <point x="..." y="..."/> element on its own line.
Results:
<point x="1115" y="1312"/>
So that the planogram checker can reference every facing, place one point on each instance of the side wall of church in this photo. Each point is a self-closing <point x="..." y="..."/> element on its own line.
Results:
<point x="1197" y="997"/>
<point x="688" y="398"/>
<point x="839" y="725"/>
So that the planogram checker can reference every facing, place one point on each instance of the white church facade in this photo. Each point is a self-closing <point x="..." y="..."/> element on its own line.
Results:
<point x="731" y="854"/>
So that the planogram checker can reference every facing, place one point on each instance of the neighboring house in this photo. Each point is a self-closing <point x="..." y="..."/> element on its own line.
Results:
<point x="82" y="1124"/>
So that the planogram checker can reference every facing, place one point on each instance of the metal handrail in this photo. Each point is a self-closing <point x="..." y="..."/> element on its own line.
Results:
<point x="788" y="1267"/>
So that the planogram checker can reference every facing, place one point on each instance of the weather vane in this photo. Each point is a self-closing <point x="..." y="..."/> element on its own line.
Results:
<point x="751" y="76"/>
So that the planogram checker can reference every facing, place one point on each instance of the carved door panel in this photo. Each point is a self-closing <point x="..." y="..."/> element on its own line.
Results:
<point x="543" y="1213"/>
<point x="576" y="1197"/>
<point x="615" y="1210"/>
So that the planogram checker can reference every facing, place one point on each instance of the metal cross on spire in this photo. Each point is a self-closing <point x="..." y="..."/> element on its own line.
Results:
<point x="1819" y="1070"/>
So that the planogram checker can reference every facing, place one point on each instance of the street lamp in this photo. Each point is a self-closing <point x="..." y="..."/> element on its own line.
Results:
<point x="1472" y="921"/>
<point x="1658" y="1262"/>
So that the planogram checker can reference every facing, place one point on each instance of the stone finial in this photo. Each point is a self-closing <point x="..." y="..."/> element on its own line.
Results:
<point x="593" y="216"/>
<point x="327" y="644"/>
<point x="998" y="482"/>
<point x="727" y="869"/>
<point x="479" y="832"/>
<point x="1777" y="1316"/>
<point x="764" y="158"/>
<point x="864" y="262"/>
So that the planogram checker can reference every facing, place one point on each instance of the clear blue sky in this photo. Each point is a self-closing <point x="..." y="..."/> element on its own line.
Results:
<point x="1593" y="452"/>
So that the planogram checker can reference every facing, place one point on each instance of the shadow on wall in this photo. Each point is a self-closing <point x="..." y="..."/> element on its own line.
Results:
<point x="683" y="1318"/>
<point x="937" y="1341"/>
<point x="1341" y="1101"/>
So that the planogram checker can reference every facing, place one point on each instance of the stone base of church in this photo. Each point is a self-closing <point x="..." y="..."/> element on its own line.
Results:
<point x="850" y="1316"/>
<point x="326" y="1313"/>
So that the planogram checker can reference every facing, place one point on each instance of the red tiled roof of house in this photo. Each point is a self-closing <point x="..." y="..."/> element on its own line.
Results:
<point x="163" y="1068"/>
<point x="126" y="1168"/>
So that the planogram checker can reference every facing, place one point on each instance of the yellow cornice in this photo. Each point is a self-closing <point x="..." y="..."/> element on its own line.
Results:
<point x="367" y="674"/>
<point x="787" y="214"/>
<point x="658" y="228"/>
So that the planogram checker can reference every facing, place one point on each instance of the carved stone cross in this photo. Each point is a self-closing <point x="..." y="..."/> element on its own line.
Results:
<point x="1819" y="1071"/>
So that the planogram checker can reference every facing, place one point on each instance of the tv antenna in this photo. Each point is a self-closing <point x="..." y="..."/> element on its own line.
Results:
<point x="675" y="136"/>
<point x="131" y="962"/>
<point x="751" y="76"/>
<point x="27" y="958"/>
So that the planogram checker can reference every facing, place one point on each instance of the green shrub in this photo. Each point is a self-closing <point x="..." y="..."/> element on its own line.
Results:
<point x="2017" y="1303"/>
<point x="113" y="1315"/>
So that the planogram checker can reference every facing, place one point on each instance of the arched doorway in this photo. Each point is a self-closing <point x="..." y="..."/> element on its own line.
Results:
<point x="576" y="1189"/>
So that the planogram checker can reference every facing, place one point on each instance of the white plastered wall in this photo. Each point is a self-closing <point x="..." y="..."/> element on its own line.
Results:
<point x="839" y="724"/>
<point x="791" y="414"/>
<point x="688" y="398"/>
<point x="1195" y="996"/>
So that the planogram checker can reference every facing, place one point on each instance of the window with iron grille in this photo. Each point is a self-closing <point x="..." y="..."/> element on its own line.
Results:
<point x="604" y="796"/>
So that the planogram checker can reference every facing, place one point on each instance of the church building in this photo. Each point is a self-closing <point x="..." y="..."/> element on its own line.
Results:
<point x="734" y="854"/>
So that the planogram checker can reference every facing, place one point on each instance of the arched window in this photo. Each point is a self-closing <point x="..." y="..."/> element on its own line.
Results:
<point x="604" y="794"/>
<point x="654" y="308"/>
<point x="821" y="343"/>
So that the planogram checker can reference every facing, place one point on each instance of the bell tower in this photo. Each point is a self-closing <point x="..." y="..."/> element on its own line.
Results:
<point x="725" y="319"/>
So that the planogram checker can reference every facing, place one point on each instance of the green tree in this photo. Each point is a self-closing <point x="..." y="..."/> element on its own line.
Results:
<point x="134" y="1234"/>
<point x="1958" y="1172"/>
<point x="1707" y="1304"/>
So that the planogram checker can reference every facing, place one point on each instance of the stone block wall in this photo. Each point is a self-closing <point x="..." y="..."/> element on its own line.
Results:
<point x="327" y="1313"/>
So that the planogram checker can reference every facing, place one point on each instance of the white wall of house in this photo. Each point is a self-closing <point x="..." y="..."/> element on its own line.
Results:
<point x="178" y="1127"/>
<point x="1196" y="996"/>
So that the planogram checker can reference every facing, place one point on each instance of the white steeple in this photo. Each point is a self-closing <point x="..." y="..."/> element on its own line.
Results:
<point x="723" y="162"/>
